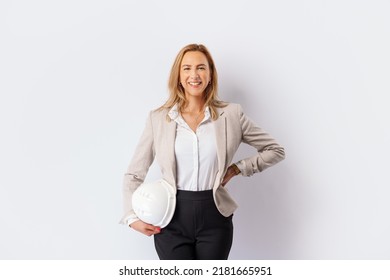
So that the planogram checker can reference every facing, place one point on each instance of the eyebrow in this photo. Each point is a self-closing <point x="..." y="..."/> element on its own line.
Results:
<point x="188" y="65"/>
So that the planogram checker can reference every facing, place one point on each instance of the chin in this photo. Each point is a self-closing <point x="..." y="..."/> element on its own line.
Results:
<point x="196" y="94"/>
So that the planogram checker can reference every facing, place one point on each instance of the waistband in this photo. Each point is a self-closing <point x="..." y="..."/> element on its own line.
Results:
<point x="194" y="195"/>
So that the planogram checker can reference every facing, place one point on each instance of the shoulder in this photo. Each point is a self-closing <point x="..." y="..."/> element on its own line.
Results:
<point x="233" y="106"/>
<point x="159" y="117"/>
<point x="159" y="113"/>
<point x="231" y="109"/>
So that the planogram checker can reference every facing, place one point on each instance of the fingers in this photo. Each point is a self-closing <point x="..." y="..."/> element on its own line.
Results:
<point x="145" y="228"/>
<point x="150" y="230"/>
<point x="229" y="174"/>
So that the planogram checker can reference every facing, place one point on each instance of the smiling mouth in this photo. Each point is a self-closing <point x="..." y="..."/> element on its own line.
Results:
<point x="195" y="84"/>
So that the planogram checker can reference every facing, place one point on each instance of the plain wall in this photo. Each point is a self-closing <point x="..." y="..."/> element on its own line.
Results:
<point x="78" y="79"/>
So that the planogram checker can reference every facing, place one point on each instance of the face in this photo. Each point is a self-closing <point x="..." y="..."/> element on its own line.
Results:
<point x="194" y="73"/>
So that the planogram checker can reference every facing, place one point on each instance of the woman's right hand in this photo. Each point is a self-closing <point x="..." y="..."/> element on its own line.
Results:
<point x="145" y="228"/>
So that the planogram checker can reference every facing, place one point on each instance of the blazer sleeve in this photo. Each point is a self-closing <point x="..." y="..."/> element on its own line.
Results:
<point x="269" y="152"/>
<point x="142" y="159"/>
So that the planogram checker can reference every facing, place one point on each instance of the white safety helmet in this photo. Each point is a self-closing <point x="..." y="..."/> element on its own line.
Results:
<point x="154" y="203"/>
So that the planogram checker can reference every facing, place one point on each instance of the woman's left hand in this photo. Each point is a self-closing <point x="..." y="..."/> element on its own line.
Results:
<point x="230" y="173"/>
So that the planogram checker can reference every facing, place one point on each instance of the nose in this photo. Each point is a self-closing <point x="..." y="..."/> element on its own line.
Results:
<point x="194" y="74"/>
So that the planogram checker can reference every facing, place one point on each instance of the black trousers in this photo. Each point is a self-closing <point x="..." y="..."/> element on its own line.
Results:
<point x="197" y="230"/>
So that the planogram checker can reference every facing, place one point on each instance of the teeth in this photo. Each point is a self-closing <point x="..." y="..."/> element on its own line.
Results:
<point x="195" y="84"/>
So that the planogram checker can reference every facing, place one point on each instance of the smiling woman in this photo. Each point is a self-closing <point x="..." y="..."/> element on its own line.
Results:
<point x="194" y="56"/>
<point x="194" y="74"/>
<point x="194" y="137"/>
<point x="194" y="78"/>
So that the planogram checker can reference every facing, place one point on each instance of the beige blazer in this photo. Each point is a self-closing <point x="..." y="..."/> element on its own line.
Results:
<point x="232" y="128"/>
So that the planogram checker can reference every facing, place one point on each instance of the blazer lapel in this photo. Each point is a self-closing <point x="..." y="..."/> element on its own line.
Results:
<point x="220" y="133"/>
<point x="169" y="140"/>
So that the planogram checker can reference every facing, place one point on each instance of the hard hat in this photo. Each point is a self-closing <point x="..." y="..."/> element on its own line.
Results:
<point x="154" y="203"/>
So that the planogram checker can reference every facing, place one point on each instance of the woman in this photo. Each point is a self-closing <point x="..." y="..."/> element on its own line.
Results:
<point x="194" y="137"/>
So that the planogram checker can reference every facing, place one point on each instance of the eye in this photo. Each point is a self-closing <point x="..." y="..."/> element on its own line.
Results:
<point x="202" y="68"/>
<point x="186" y="68"/>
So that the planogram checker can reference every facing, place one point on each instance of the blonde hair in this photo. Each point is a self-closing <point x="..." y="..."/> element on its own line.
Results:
<point x="176" y="91"/>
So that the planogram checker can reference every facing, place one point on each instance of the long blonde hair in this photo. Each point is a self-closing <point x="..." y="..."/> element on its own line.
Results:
<point x="176" y="91"/>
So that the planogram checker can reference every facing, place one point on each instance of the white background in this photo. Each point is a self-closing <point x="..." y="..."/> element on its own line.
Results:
<point x="77" y="79"/>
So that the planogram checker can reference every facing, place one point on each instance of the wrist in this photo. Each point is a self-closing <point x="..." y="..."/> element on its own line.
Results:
<point x="235" y="169"/>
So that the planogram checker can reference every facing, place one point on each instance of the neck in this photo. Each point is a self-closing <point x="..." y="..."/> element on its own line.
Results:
<point x="194" y="104"/>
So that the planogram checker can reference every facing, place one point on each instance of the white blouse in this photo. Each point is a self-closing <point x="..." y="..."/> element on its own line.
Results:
<point x="195" y="152"/>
